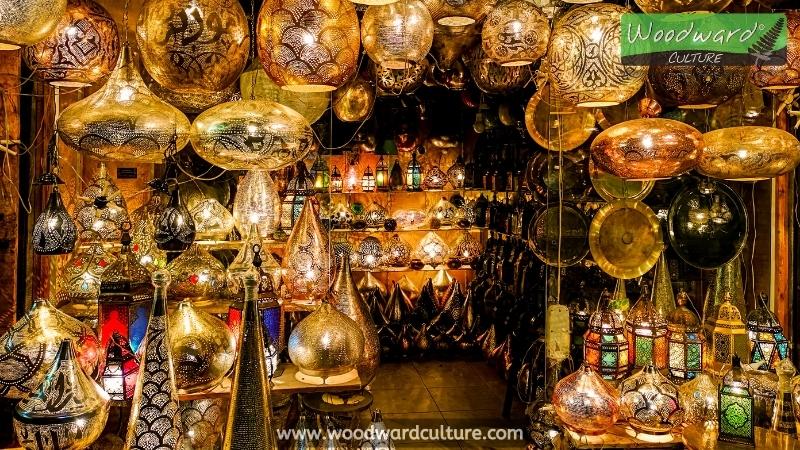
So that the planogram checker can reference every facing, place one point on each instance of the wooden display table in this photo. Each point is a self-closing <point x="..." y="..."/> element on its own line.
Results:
<point x="695" y="437"/>
<point x="622" y="436"/>
<point x="285" y="383"/>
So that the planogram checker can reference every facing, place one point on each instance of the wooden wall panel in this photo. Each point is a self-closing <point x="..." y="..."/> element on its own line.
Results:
<point x="9" y="179"/>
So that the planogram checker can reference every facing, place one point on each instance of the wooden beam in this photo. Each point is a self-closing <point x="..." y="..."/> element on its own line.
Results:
<point x="782" y="230"/>
<point x="9" y="138"/>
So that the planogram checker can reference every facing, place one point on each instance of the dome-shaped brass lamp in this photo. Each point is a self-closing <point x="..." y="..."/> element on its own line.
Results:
<point x="30" y="24"/>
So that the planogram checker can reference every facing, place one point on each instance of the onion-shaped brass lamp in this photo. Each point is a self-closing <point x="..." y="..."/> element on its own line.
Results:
<point x="251" y="134"/>
<point x="515" y="33"/>
<point x="307" y="262"/>
<point x="67" y="410"/>
<point x="20" y="26"/>
<point x="585" y="57"/>
<point x="605" y="345"/>
<point x="400" y="81"/>
<point x="467" y="249"/>
<point x="290" y="31"/>
<point x="585" y="402"/>
<point x="786" y="75"/>
<point x="646" y="331"/>
<point x="196" y="46"/>
<point x="101" y="209"/>
<point x="79" y="280"/>
<point x="748" y="153"/>
<point x="685" y="341"/>
<point x="646" y="149"/>
<point x="370" y="254"/>
<point x="650" y="402"/>
<point x="397" y="252"/>
<point x="196" y="275"/>
<point x="700" y="400"/>
<point x="767" y="341"/>
<point x="728" y="337"/>
<point x="211" y="220"/>
<point x="736" y="410"/>
<point x="81" y="50"/>
<point x="397" y="35"/>
<point x="435" y="179"/>
<point x="124" y="120"/>
<point x="375" y="215"/>
<point x="444" y="212"/>
<point x="256" y="202"/>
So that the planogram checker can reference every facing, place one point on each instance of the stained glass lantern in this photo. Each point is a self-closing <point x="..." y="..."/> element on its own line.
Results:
<point x="256" y="202"/>
<point x="81" y="50"/>
<point x="646" y="331"/>
<point x="467" y="249"/>
<point x="204" y="54"/>
<point x="457" y="173"/>
<point x="290" y="30"/>
<point x="432" y="249"/>
<point x="605" y="345"/>
<point x="515" y="33"/>
<point x="307" y="261"/>
<point x="370" y="253"/>
<point x="67" y="410"/>
<point x="336" y="180"/>
<point x="435" y="179"/>
<point x="101" y="208"/>
<point x="585" y="402"/>
<point x="649" y="401"/>
<point x="699" y="398"/>
<point x="727" y="335"/>
<point x="126" y="294"/>
<point x="382" y="175"/>
<point x="196" y="275"/>
<point x="443" y="211"/>
<point x="211" y="220"/>
<point x="79" y="279"/>
<point x="414" y="174"/>
<point x="736" y="407"/>
<point x="120" y="370"/>
<point x="54" y="232"/>
<point x="397" y="35"/>
<point x="397" y="252"/>
<point x="375" y="215"/>
<point x="685" y="340"/>
<point x="368" y="180"/>
<point x="28" y="25"/>
<point x="320" y="175"/>
<point x="299" y="188"/>
<point x="174" y="227"/>
<point x="767" y="341"/>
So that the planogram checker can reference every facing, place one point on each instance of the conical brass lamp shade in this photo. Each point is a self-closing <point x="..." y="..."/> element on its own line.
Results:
<point x="663" y="295"/>
<point x="32" y="343"/>
<point x="748" y="153"/>
<point x="124" y="120"/>
<point x="251" y="134"/>
<point x="308" y="46"/>
<point x="250" y="417"/>
<point x="307" y="263"/>
<point x="204" y="54"/>
<point x="26" y="25"/>
<point x="346" y="299"/>
<point x="155" y="417"/>
<point x="257" y="85"/>
<point x="81" y="50"/>
<point x="67" y="410"/>
<point x="397" y="35"/>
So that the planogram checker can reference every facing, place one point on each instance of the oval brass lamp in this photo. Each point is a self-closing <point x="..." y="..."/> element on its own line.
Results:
<point x="748" y="153"/>
<point x="30" y="24"/>
<point x="696" y="86"/>
<point x="648" y="149"/>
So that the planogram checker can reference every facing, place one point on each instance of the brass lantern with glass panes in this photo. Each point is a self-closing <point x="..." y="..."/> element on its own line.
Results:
<point x="120" y="369"/>
<point x="767" y="341"/>
<point x="605" y="345"/>
<point x="736" y="421"/>
<point x="382" y="175"/>
<point x="299" y="187"/>
<point x="368" y="180"/>
<point x="727" y="336"/>
<point x="414" y="174"/>
<point x="320" y="174"/>
<point x="336" y="180"/>
<point x="685" y="341"/>
<point x="646" y="331"/>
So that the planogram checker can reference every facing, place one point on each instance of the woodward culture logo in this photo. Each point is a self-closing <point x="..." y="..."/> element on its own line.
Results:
<point x="704" y="39"/>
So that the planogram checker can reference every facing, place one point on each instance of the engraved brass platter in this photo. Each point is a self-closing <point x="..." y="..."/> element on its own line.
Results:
<point x="625" y="239"/>
<point x="611" y="187"/>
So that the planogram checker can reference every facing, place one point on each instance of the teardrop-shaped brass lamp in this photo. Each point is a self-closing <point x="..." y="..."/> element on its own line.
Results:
<point x="20" y="26"/>
<point x="124" y="120"/>
<point x="251" y="134"/>
<point x="256" y="202"/>
<point x="307" y="262"/>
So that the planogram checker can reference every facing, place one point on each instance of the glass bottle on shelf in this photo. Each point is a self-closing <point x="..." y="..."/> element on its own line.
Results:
<point x="783" y="419"/>
<point x="481" y="209"/>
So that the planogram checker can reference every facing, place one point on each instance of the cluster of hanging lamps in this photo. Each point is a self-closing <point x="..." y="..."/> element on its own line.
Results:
<point x="26" y="26"/>
<point x="397" y="35"/>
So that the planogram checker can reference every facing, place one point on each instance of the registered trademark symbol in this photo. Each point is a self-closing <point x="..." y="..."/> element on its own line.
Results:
<point x="761" y="26"/>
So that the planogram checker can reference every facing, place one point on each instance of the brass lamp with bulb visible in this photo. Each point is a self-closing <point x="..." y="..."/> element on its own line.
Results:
<point x="397" y="252"/>
<point x="382" y="175"/>
<point x="398" y="35"/>
<point x="256" y="202"/>
<point x="370" y="254"/>
<point x="748" y="153"/>
<point x="124" y="120"/>
<point x="101" y="209"/>
<point x="143" y="232"/>
<point x="368" y="180"/>
<point x="432" y="249"/>
<point x="307" y="262"/>
<point x="79" y="281"/>
<point x="54" y="232"/>
<point x="196" y="275"/>
<point x="515" y="33"/>
<point x="585" y="402"/>
<point x="20" y="26"/>
<point x="212" y="220"/>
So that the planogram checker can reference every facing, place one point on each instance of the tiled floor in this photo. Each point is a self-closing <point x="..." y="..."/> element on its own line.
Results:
<point x="456" y="394"/>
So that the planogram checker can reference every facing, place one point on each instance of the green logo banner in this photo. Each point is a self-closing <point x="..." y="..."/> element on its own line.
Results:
<point x="704" y="38"/>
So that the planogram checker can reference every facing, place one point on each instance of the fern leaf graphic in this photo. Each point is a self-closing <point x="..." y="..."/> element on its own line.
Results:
<point x="764" y="49"/>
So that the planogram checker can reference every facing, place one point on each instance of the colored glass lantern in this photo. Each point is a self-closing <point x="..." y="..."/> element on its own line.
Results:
<point x="196" y="275"/>
<point x="81" y="50"/>
<point x="728" y="337"/>
<point x="397" y="35"/>
<point x="211" y="220"/>
<point x="457" y="173"/>
<point x="783" y="420"/>
<point x="307" y="262"/>
<point x="256" y="202"/>
<point x="605" y="345"/>
<point x="320" y="175"/>
<point x="432" y="249"/>
<point x="299" y="188"/>
<point x="194" y="46"/>
<point x="124" y="120"/>
<point x="126" y="294"/>
<point x="435" y="179"/>
<point x="174" y="228"/>
<point x="290" y="29"/>
<point x="397" y="252"/>
<point x="736" y="407"/>
<point x="155" y="419"/>
<point x="700" y="400"/>
<point x="54" y="232"/>
<point x="143" y="233"/>
<point x="121" y="369"/>
<point x="368" y="180"/>
<point x="101" y="208"/>
<point x="336" y="180"/>
<point x="370" y="253"/>
<point x="685" y="340"/>
<point x="67" y="410"/>
<point x="28" y="25"/>
<point x="585" y="402"/>
<point x="382" y="175"/>
<point x="79" y="280"/>
<point x="515" y="33"/>
<point x="413" y="174"/>
<point x="767" y="341"/>
<point x="649" y="401"/>
<point x="646" y="331"/>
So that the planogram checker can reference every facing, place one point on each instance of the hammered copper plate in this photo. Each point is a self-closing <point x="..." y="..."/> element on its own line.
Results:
<point x="610" y="187"/>
<point x="625" y="239"/>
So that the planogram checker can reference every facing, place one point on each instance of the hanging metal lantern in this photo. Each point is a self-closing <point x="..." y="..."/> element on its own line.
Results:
<point x="174" y="228"/>
<point x="193" y="45"/>
<point x="767" y="341"/>
<point x="368" y="180"/>
<point x="646" y="331"/>
<point x="696" y="86"/>
<point x="397" y="35"/>
<point x="307" y="262"/>
<point x="413" y="174"/>
<point x="515" y="33"/>
<point x="685" y="341"/>
<point x="736" y="421"/>
<point x="256" y="202"/>
<point x="20" y="26"/>
<point x="299" y="188"/>
<point x="394" y="82"/>
<point x="212" y="220"/>
<point x="748" y="153"/>
<point x="101" y="209"/>
<point x="728" y="336"/>
<point x="605" y="345"/>
<point x="336" y="180"/>
<point x="320" y="174"/>
<point x="81" y="50"/>
<point x="121" y="369"/>
<point x="382" y="175"/>
<point x="54" y="232"/>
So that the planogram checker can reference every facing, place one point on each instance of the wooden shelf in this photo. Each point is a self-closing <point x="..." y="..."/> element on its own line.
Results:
<point x="409" y="269"/>
<point x="406" y="230"/>
<point x="622" y="436"/>
<point x="426" y="191"/>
